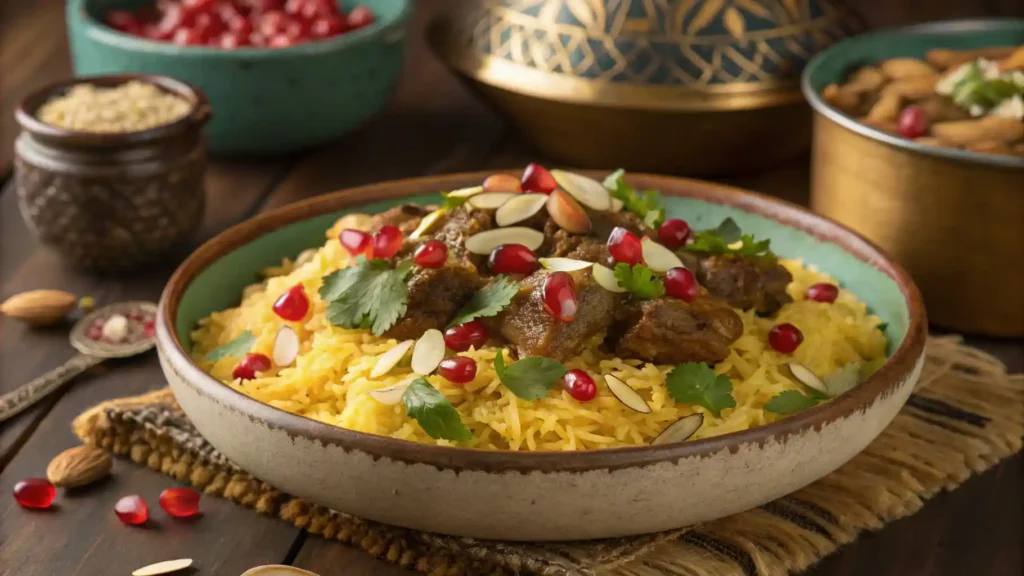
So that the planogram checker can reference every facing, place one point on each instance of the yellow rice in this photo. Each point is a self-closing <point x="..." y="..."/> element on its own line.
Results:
<point x="329" y="380"/>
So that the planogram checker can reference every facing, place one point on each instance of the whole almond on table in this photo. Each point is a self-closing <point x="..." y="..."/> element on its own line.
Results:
<point x="78" y="466"/>
<point x="39" y="307"/>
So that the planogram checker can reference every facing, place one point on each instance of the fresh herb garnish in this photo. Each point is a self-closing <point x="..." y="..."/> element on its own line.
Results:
<point x="531" y="377"/>
<point x="237" y="347"/>
<point x="434" y="413"/>
<point x="488" y="301"/>
<point x="722" y="240"/>
<point x="369" y="294"/>
<point x="646" y="205"/>
<point x="696" y="383"/>
<point x="973" y="89"/>
<point x="790" y="402"/>
<point x="640" y="281"/>
<point x="882" y="326"/>
<point x="452" y="202"/>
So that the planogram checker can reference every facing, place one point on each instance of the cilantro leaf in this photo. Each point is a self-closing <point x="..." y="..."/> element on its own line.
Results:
<point x="646" y="205"/>
<point x="488" y="301"/>
<point x="452" y="202"/>
<point x="531" y="377"/>
<point x="434" y="413"/>
<point x="729" y="230"/>
<point x="696" y="383"/>
<point x="367" y="295"/>
<point x="639" y="281"/>
<point x="721" y="240"/>
<point x="790" y="402"/>
<point x="237" y="347"/>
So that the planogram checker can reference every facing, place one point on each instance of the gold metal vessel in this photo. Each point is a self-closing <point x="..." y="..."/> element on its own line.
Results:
<point x="701" y="88"/>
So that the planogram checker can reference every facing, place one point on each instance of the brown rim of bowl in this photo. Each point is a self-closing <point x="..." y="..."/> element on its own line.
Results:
<point x="25" y="113"/>
<point x="901" y="363"/>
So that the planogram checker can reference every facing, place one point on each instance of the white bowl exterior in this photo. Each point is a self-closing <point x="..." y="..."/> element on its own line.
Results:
<point x="536" y="506"/>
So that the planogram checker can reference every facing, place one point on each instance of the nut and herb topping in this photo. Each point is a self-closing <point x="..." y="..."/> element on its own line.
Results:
<point x="130" y="107"/>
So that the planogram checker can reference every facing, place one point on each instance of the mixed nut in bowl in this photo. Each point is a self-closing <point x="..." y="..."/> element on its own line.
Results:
<point x="919" y="145"/>
<point x="282" y="76"/>
<point x="109" y="170"/>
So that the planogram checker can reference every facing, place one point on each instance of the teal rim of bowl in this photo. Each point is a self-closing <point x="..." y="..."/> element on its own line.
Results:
<point x="911" y="41"/>
<point x="393" y="26"/>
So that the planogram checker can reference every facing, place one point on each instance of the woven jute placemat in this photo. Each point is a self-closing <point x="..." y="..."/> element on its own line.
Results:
<point x="966" y="415"/>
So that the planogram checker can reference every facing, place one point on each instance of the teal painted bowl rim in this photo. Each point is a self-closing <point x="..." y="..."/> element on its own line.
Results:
<point x="394" y="29"/>
<point x="899" y="365"/>
<point x="812" y="86"/>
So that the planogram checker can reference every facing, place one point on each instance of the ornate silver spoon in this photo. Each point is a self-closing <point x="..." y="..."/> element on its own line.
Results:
<point x="115" y="331"/>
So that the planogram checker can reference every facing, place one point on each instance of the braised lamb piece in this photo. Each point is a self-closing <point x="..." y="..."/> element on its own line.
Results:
<point x="435" y="294"/>
<point x="669" y="330"/>
<point x="743" y="282"/>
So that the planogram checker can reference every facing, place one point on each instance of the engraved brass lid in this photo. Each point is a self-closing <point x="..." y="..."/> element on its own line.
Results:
<point x="651" y="54"/>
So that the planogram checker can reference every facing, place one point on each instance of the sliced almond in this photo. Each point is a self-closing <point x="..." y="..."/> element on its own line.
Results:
<point x="277" y="570"/>
<point x="680" y="429"/>
<point x="626" y="394"/>
<point x="484" y="242"/>
<point x="286" y="346"/>
<point x="428" y="353"/>
<point x="466" y="192"/>
<point x="617" y="205"/>
<point x="587" y="191"/>
<point x="567" y="213"/>
<point x="428" y="223"/>
<point x="390" y="359"/>
<point x="490" y="200"/>
<point x="165" y="567"/>
<point x="519" y="208"/>
<point x="806" y="377"/>
<point x="391" y="395"/>
<point x="659" y="258"/>
<point x="605" y="278"/>
<point x="564" y="264"/>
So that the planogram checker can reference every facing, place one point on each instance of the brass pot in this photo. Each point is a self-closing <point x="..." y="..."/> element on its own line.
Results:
<point x="701" y="88"/>
<point x="953" y="218"/>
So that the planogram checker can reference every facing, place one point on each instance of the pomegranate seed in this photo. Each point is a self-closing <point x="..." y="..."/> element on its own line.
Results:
<point x="281" y="41"/>
<point x="180" y="502"/>
<point x="624" y="246"/>
<point x="559" y="296"/>
<point x="293" y="304"/>
<point x="132" y="510"/>
<point x="272" y="23"/>
<point x="457" y="369"/>
<point x="681" y="283"/>
<point x="360" y="16"/>
<point x="34" y="493"/>
<point x="187" y="37"/>
<point x="673" y="233"/>
<point x="123" y="21"/>
<point x="913" y="122"/>
<point x="823" y="292"/>
<point x="471" y="334"/>
<point x="785" y="338"/>
<point x="502" y="183"/>
<point x="512" y="259"/>
<point x="356" y="242"/>
<point x="327" y="27"/>
<point x="233" y="40"/>
<point x="251" y="364"/>
<point x="579" y="385"/>
<point x="431" y="254"/>
<point x="94" y="332"/>
<point x="149" y="329"/>
<point x="536" y="178"/>
<point x="387" y="242"/>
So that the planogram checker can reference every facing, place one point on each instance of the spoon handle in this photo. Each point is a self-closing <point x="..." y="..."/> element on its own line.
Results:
<point x="28" y="394"/>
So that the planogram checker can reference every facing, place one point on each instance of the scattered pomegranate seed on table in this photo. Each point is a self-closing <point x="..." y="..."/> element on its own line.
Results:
<point x="431" y="254"/>
<point x="681" y="283"/>
<point x="356" y="242"/>
<point x="823" y="292"/>
<point x="673" y="233"/>
<point x="293" y="304"/>
<point x="512" y="259"/>
<point x="559" y="296"/>
<point x="913" y="122"/>
<point x="251" y="363"/>
<point x="471" y="334"/>
<point x="624" y="246"/>
<point x="536" y="178"/>
<point x="180" y="502"/>
<point x="35" y="493"/>
<point x="457" y="369"/>
<point x="387" y="242"/>
<point x="785" y="338"/>
<point x="132" y="510"/>
<point x="579" y="385"/>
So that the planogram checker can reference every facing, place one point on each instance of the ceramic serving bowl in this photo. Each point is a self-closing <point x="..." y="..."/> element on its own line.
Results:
<point x="266" y="101"/>
<point x="676" y="86"/>
<point x="954" y="218"/>
<point x="538" y="496"/>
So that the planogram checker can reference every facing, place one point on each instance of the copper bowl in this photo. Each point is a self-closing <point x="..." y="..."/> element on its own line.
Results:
<point x="696" y="88"/>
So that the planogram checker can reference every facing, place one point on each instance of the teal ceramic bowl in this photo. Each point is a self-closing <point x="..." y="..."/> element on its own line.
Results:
<point x="264" y="101"/>
<point x="537" y="496"/>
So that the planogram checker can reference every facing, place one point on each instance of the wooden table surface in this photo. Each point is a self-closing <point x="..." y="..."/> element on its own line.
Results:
<point x="433" y="125"/>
